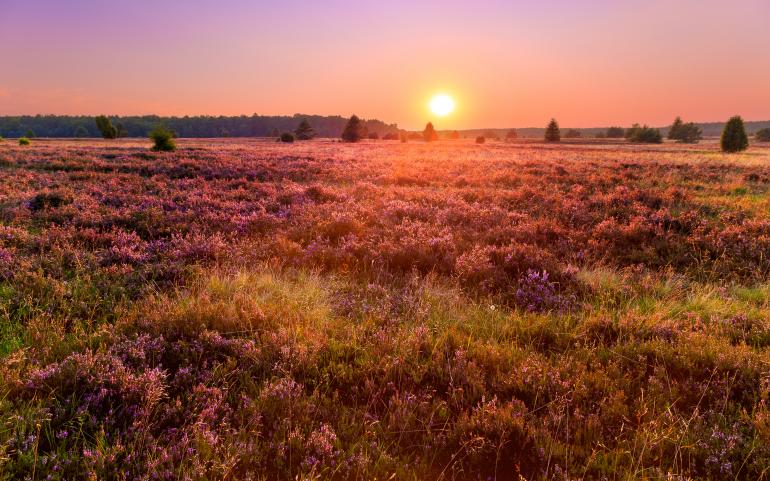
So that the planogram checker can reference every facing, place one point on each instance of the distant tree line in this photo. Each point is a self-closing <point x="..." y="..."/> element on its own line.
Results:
<point x="200" y="126"/>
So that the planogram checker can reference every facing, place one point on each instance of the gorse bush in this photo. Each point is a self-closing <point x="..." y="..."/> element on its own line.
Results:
<point x="552" y="132"/>
<point x="734" y="138"/>
<point x="24" y="141"/>
<point x="163" y="139"/>
<point x="644" y="134"/>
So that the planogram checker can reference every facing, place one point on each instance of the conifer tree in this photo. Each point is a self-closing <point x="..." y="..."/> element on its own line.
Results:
<point x="429" y="134"/>
<point x="353" y="130"/>
<point x="304" y="131"/>
<point x="106" y="128"/>
<point x="734" y="138"/>
<point x="552" y="132"/>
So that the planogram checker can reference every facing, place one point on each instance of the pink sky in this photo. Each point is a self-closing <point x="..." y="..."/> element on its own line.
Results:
<point x="508" y="63"/>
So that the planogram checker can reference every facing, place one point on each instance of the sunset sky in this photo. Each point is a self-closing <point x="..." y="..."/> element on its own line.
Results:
<point x="511" y="63"/>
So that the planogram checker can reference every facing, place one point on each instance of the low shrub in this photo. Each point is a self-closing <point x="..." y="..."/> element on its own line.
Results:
<point x="24" y="141"/>
<point x="163" y="139"/>
<point x="287" y="138"/>
<point x="481" y="139"/>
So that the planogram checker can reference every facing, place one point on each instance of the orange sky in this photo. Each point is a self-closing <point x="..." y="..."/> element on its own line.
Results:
<point x="507" y="63"/>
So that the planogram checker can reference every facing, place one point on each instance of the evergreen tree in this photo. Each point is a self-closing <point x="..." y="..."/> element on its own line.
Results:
<point x="304" y="131"/>
<point x="163" y="139"/>
<point x="762" y="135"/>
<point x="353" y="130"/>
<point x="616" y="133"/>
<point x="644" y="134"/>
<point x="734" y="138"/>
<point x="685" y="133"/>
<point x="106" y="128"/>
<point x="429" y="134"/>
<point x="675" y="131"/>
<point x="552" y="132"/>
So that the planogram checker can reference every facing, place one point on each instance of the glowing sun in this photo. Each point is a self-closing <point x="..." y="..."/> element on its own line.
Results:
<point x="442" y="105"/>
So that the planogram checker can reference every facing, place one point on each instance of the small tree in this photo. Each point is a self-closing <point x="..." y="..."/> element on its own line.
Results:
<point x="762" y="135"/>
<point x="287" y="138"/>
<point x="429" y="134"/>
<point x="685" y="133"/>
<point x="163" y="139"/>
<point x="616" y="133"/>
<point x="644" y="134"/>
<point x="304" y="131"/>
<point x="353" y="130"/>
<point x="106" y="128"/>
<point x="512" y="135"/>
<point x="23" y="141"/>
<point x="552" y="132"/>
<point x="734" y="138"/>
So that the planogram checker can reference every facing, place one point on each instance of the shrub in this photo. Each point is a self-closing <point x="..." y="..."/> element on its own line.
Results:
<point x="644" y="134"/>
<point x="23" y="141"/>
<point x="304" y="131"/>
<point x="163" y="139"/>
<point x="287" y="138"/>
<point x="480" y="139"/>
<point x="511" y="135"/>
<point x="573" y="134"/>
<point x="761" y="135"/>
<point x="734" y="138"/>
<point x="106" y="128"/>
<point x="552" y="132"/>
<point x="616" y="133"/>
<point x="353" y="131"/>
<point x="685" y="133"/>
<point x="429" y="134"/>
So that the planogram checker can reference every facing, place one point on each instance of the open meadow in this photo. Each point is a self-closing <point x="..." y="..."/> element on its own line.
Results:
<point x="246" y="309"/>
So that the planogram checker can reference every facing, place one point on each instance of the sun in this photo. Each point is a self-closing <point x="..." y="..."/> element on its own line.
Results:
<point x="442" y="105"/>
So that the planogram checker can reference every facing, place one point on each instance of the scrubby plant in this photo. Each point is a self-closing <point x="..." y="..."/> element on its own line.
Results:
<point x="163" y="139"/>
<point x="304" y="131"/>
<point x="287" y="138"/>
<point x="552" y="132"/>
<point x="762" y="135"/>
<point x="23" y="141"/>
<point x="685" y="133"/>
<point x="616" y="133"/>
<point x="353" y="131"/>
<point x="104" y="124"/>
<point x="480" y="139"/>
<point x="734" y="138"/>
<point x="429" y="133"/>
<point x="644" y="134"/>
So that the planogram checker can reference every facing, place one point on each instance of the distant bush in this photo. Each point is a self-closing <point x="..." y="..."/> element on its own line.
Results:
<point x="685" y="133"/>
<point x="429" y="134"/>
<point x="616" y="133"/>
<point x="511" y="135"/>
<point x="552" y="132"/>
<point x="106" y="128"/>
<point x="644" y="134"/>
<point x="353" y="131"/>
<point x="287" y="138"/>
<point x="23" y="141"/>
<point x="480" y="139"/>
<point x="573" y="134"/>
<point x="374" y="136"/>
<point x="734" y="138"/>
<point x="761" y="135"/>
<point x="304" y="131"/>
<point x="163" y="139"/>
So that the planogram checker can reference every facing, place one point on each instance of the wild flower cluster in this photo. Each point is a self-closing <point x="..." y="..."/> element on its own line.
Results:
<point x="255" y="310"/>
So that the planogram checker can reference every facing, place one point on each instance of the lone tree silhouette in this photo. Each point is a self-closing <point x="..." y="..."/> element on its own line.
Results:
<point x="304" y="131"/>
<point x="163" y="139"/>
<point x="552" y="132"/>
<point x="429" y="134"/>
<point x="353" y="130"/>
<point x="106" y="128"/>
<point x="734" y="138"/>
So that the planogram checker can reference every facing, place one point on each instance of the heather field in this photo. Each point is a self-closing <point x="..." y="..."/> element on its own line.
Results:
<point x="251" y="310"/>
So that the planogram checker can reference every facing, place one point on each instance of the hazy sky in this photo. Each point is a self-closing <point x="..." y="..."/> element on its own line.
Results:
<point x="506" y="63"/>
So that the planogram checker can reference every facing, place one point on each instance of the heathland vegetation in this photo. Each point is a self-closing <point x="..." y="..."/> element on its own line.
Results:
<point x="381" y="310"/>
